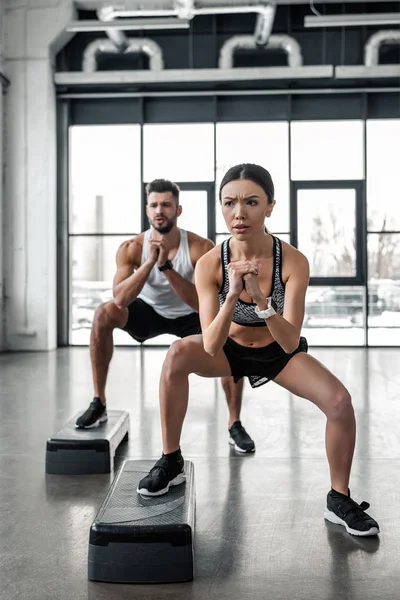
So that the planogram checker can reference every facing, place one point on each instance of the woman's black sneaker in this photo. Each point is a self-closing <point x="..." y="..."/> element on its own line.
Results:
<point x="168" y="470"/>
<point x="240" y="439"/>
<point x="94" y="416"/>
<point x="342" y="510"/>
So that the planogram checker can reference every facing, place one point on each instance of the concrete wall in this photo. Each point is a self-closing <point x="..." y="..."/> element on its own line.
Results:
<point x="29" y="217"/>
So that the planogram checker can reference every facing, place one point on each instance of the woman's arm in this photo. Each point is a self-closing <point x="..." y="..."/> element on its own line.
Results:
<point x="216" y="322"/>
<point x="286" y="329"/>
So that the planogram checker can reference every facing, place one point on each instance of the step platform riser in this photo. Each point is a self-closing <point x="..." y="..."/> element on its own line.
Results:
<point x="134" y="539"/>
<point x="74" y="451"/>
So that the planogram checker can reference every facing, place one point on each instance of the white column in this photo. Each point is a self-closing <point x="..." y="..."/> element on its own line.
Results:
<point x="2" y="139"/>
<point x="30" y="191"/>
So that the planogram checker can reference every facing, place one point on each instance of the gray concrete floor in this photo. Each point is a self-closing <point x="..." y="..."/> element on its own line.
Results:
<point x="260" y="531"/>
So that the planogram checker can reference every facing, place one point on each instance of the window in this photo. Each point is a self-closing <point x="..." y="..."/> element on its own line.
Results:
<point x="92" y="269"/>
<point x="265" y="144"/>
<point x="104" y="210"/>
<point x="383" y="175"/>
<point x="105" y="184"/>
<point x="178" y="152"/>
<point x="327" y="150"/>
<point x="384" y="289"/>
<point x="326" y="230"/>
<point x="335" y="316"/>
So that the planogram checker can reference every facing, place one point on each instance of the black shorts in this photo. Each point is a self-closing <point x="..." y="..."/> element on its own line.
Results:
<point x="144" y="323"/>
<point x="260" y="365"/>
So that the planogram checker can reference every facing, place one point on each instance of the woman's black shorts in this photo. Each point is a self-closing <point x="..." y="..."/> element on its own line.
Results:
<point x="260" y="365"/>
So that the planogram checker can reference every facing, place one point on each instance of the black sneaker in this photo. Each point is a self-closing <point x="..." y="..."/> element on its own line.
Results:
<point x="240" y="439"/>
<point x="166" y="472"/>
<point x="94" y="416"/>
<point x="342" y="510"/>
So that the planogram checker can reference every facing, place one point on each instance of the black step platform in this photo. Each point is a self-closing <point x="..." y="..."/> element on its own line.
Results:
<point x="74" y="451"/>
<point x="137" y="539"/>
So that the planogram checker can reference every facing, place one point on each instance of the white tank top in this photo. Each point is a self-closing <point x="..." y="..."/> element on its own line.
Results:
<point x="157" y="292"/>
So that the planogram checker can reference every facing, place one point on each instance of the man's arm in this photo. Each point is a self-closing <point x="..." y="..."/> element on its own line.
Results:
<point x="130" y="277"/>
<point x="186" y="290"/>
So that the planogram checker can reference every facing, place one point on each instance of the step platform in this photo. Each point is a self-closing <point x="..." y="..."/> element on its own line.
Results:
<point x="74" y="451"/>
<point x="138" y="539"/>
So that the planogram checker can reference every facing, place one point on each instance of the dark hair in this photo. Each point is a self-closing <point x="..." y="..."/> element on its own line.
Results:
<point x="163" y="185"/>
<point x="253" y="172"/>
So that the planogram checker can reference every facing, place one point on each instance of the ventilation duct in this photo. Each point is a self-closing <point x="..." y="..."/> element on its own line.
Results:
<point x="371" y="68"/>
<point x="136" y="45"/>
<point x="374" y="44"/>
<point x="184" y="8"/>
<point x="188" y="9"/>
<point x="118" y="37"/>
<point x="246" y="42"/>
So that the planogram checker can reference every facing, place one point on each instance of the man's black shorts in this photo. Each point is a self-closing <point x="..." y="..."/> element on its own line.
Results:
<point x="144" y="323"/>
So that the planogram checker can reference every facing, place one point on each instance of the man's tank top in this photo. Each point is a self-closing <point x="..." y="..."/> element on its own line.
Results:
<point x="157" y="291"/>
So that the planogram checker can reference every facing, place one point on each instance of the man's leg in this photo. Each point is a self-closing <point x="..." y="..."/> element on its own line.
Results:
<point x="233" y="392"/>
<point x="238" y="436"/>
<point x="107" y="318"/>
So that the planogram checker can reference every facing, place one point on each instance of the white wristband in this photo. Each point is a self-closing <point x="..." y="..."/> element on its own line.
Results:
<point x="268" y="312"/>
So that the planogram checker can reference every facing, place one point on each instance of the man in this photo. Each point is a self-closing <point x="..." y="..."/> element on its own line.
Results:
<point x="154" y="294"/>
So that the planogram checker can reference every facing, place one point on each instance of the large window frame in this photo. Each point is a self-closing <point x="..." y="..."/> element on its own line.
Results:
<point x="364" y="106"/>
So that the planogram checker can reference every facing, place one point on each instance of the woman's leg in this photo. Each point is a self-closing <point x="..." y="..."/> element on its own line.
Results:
<point x="304" y="376"/>
<point x="184" y="357"/>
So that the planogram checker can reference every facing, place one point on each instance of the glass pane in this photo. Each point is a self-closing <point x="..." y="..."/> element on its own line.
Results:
<point x="179" y="152"/>
<point x="335" y="316"/>
<point x="325" y="150"/>
<point x="383" y="175"/>
<point x="92" y="269"/>
<point x="326" y="231"/>
<point x="105" y="182"/>
<point x="266" y="144"/>
<point x="384" y="289"/>
<point x="194" y="211"/>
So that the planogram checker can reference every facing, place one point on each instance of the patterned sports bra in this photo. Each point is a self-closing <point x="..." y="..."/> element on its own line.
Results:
<point x="244" y="313"/>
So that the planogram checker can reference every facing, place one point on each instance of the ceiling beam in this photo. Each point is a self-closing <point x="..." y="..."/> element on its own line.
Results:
<point x="344" y="20"/>
<point x="128" y="24"/>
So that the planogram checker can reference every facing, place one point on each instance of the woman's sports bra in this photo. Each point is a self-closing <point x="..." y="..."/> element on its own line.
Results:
<point x="244" y="313"/>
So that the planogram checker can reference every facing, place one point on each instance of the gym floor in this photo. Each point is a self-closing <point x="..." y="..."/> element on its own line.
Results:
<point x="260" y="531"/>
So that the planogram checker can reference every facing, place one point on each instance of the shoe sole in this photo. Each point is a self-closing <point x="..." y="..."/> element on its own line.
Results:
<point x="177" y="481"/>
<point x="95" y="424"/>
<point x="330" y="516"/>
<point x="238" y="449"/>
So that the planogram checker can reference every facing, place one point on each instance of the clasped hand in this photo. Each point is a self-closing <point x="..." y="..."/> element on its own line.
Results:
<point x="158" y="251"/>
<point x="244" y="274"/>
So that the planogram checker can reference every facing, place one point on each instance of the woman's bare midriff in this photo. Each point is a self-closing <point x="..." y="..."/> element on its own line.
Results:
<point x="252" y="337"/>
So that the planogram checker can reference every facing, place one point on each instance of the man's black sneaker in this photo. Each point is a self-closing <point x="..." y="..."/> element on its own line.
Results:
<point x="94" y="416"/>
<point x="342" y="510"/>
<point x="166" y="472"/>
<point x="240" y="439"/>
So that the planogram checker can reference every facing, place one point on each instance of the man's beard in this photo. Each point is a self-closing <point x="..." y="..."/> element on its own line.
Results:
<point x="164" y="228"/>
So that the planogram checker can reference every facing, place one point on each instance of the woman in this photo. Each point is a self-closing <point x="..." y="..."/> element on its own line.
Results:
<point x="252" y="292"/>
